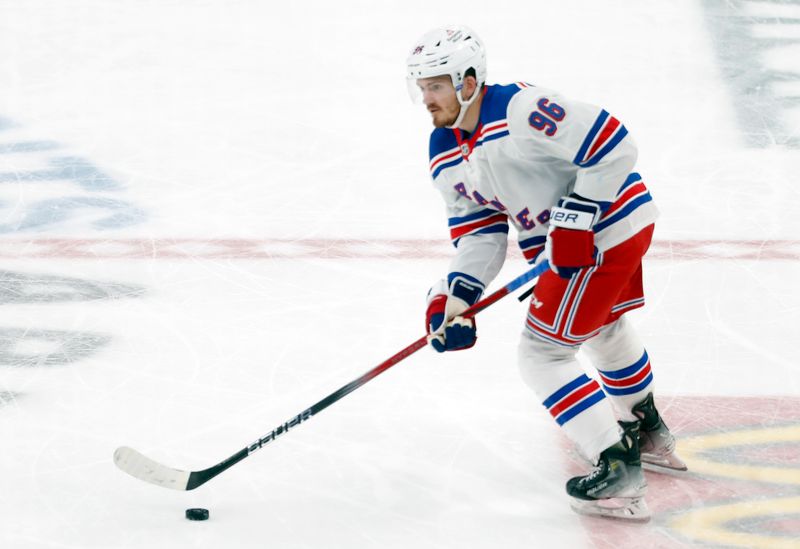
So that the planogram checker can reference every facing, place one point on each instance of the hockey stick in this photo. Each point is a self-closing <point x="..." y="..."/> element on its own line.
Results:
<point x="140" y="466"/>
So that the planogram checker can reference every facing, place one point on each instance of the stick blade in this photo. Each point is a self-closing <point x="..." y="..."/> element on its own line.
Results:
<point x="142" y="467"/>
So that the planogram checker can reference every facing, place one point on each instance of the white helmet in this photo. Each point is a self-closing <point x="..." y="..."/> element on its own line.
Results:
<point x="448" y="51"/>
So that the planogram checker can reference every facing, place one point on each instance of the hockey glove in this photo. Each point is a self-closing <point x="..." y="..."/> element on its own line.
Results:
<point x="447" y="331"/>
<point x="570" y="239"/>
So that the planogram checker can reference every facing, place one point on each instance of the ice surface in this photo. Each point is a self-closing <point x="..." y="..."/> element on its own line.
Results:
<point x="214" y="214"/>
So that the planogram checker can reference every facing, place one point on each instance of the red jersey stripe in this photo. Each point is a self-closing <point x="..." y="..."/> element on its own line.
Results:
<point x="461" y="230"/>
<point x="444" y="158"/>
<point x="611" y="125"/>
<point x="630" y="192"/>
<point x="530" y="253"/>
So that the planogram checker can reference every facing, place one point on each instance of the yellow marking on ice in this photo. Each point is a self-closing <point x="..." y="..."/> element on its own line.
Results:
<point x="708" y="524"/>
<point x="691" y="449"/>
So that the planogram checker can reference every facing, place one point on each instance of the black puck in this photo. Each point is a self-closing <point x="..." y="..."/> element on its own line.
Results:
<point x="197" y="514"/>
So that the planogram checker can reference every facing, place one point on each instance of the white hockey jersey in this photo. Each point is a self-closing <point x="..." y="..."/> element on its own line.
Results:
<point x="531" y="147"/>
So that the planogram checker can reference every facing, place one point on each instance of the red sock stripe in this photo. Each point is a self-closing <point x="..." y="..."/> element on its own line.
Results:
<point x="628" y="381"/>
<point x="574" y="397"/>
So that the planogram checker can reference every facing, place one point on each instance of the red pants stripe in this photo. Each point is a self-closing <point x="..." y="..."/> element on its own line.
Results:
<point x="568" y="312"/>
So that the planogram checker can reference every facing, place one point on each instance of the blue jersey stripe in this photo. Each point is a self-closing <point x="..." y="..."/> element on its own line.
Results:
<point x="601" y="119"/>
<point x="492" y="137"/>
<point x="471" y="217"/>
<point x="598" y="156"/>
<point x="531" y="242"/>
<point x="499" y="228"/>
<point x="632" y="205"/>
<point x="632" y="178"/>
<point x="449" y="164"/>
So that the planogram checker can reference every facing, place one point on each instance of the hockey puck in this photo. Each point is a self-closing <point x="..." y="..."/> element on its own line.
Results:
<point x="197" y="514"/>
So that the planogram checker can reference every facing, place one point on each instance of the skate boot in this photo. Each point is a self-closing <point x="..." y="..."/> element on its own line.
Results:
<point x="615" y="489"/>
<point x="656" y="443"/>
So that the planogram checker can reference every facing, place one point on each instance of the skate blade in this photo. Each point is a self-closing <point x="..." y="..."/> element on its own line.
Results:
<point x="623" y="509"/>
<point x="669" y="464"/>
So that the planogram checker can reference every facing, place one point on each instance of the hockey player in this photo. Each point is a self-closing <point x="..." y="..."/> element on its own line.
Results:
<point x="561" y="172"/>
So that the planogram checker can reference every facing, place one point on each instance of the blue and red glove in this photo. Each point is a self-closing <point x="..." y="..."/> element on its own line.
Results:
<point x="447" y="330"/>
<point x="570" y="239"/>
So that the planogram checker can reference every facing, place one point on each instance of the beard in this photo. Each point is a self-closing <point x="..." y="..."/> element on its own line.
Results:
<point x="444" y="119"/>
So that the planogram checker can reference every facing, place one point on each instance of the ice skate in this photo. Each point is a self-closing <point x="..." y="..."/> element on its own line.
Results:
<point x="656" y="443"/>
<point x="616" y="488"/>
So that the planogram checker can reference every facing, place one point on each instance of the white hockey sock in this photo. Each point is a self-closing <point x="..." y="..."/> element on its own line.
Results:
<point x="623" y="366"/>
<point x="573" y="399"/>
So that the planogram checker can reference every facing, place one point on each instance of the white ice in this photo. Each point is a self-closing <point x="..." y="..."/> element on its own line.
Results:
<point x="272" y="123"/>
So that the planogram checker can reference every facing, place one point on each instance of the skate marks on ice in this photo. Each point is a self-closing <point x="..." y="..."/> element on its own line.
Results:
<point x="758" y="47"/>
<point x="7" y="398"/>
<point x="28" y="347"/>
<point x="743" y="484"/>
<point x="17" y="288"/>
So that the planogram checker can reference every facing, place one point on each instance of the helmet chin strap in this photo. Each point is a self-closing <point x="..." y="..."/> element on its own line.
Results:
<point x="464" y="106"/>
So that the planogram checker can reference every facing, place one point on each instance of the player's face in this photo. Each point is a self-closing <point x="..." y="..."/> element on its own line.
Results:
<point x="439" y="97"/>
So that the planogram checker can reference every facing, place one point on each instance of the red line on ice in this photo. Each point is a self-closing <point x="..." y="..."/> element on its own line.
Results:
<point x="344" y="248"/>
